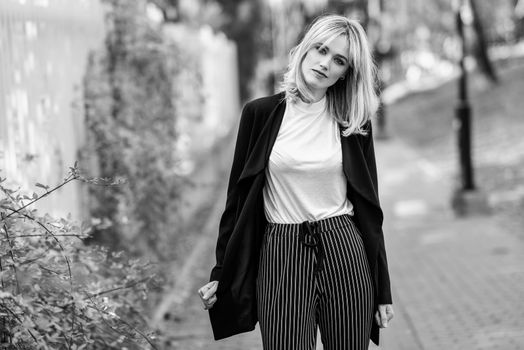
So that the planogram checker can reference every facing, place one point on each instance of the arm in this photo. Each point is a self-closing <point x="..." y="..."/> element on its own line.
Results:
<point x="384" y="288"/>
<point x="227" y="221"/>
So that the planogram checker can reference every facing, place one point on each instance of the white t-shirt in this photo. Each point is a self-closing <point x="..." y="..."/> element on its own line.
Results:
<point x="304" y="176"/>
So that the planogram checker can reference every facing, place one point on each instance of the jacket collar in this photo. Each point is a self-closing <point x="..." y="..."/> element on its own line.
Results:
<point x="259" y="156"/>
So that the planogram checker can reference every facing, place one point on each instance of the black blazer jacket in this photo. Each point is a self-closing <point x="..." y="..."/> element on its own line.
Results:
<point x="243" y="221"/>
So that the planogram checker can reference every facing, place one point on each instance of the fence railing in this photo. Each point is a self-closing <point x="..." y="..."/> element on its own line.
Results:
<point x="44" y="45"/>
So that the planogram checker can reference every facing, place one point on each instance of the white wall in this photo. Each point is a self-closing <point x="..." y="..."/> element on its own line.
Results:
<point x="44" y="46"/>
<point x="208" y="100"/>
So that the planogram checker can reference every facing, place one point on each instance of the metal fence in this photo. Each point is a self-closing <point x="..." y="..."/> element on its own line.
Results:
<point x="44" y="45"/>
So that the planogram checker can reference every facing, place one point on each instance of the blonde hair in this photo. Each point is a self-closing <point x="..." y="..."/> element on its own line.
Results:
<point x="351" y="101"/>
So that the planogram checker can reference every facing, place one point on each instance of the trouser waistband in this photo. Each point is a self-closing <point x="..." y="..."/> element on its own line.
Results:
<point x="309" y="233"/>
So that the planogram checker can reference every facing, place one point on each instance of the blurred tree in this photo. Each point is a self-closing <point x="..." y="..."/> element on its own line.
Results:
<point x="240" y="20"/>
<point x="243" y="24"/>
<point x="518" y="15"/>
<point x="498" y="20"/>
<point x="352" y="8"/>
<point x="169" y="8"/>
<point x="130" y="114"/>
<point x="481" y="48"/>
<point x="424" y="34"/>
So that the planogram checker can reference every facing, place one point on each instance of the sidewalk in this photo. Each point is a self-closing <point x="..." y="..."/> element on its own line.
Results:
<point x="457" y="283"/>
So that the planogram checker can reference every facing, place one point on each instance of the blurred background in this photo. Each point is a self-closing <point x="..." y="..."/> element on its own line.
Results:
<point x="134" y="105"/>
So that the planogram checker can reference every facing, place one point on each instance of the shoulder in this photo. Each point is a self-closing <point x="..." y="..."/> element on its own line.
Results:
<point x="256" y="112"/>
<point x="265" y="104"/>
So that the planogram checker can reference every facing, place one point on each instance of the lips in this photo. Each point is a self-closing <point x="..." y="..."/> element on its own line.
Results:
<point x="319" y="73"/>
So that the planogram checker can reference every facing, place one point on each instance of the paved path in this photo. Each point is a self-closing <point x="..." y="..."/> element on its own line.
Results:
<point x="457" y="283"/>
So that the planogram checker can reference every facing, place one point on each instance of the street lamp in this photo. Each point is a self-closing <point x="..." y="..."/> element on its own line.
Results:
<point x="382" y="51"/>
<point x="466" y="199"/>
<point x="463" y="111"/>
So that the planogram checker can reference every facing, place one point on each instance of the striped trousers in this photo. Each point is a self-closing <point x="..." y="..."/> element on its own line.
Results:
<point x="314" y="274"/>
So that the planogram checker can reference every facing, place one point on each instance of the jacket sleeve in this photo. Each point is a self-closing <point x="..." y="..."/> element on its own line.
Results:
<point x="384" y="288"/>
<point x="227" y="221"/>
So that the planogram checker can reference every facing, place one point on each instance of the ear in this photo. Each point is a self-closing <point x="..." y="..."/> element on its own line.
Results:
<point x="346" y="73"/>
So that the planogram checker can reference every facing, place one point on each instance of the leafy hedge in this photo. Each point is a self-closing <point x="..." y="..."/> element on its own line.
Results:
<point x="56" y="293"/>
<point x="129" y="94"/>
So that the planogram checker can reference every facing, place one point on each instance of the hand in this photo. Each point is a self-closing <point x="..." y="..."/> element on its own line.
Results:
<point x="384" y="314"/>
<point x="208" y="294"/>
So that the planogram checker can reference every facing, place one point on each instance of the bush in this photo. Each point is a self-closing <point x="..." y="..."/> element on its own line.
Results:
<point x="58" y="294"/>
<point x="129" y="96"/>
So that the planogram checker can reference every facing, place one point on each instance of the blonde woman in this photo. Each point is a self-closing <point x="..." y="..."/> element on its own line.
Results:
<point x="300" y="242"/>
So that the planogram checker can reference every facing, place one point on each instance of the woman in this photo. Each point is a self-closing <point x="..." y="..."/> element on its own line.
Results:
<point x="300" y="242"/>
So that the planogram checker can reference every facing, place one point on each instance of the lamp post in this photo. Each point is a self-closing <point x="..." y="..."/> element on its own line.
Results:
<point x="463" y="112"/>
<point x="383" y="51"/>
<point x="466" y="198"/>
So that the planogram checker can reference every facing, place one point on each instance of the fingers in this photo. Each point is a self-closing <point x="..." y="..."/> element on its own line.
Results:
<point x="380" y="318"/>
<point x="207" y="290"/>
<point x="389" y="312"/>
<point x="209" y="304"/>
<point x="207" y="294"/>
<point x="384" y="314"/>
<point x="211" y="291"/>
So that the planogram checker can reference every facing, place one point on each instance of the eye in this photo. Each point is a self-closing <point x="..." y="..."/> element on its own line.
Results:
<point x="339" y="61"/>
<point x="321" y="49"/>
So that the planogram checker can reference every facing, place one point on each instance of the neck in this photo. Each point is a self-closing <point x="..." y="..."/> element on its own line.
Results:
<point x="318" y="95"/>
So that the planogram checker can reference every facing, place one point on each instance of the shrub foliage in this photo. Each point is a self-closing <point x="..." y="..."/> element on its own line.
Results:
<point x="129" y="96"/>
<point x="57" y="294"/>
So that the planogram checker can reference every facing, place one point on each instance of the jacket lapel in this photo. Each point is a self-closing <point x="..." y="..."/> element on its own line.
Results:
<point x="261" y="151"/>
<point x="356" y="169"/>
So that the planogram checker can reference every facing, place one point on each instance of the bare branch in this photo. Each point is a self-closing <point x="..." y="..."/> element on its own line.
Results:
<point x="19" y="320"/>
<point x="56" y="235"/>
<point x="71" y="177"/>
<point x="2" y="279"/>
<point x="126" y="286"/>
<point x="12" y="256"/>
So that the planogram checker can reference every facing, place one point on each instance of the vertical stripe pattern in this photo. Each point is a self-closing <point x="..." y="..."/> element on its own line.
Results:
<point x="295" y="297"/>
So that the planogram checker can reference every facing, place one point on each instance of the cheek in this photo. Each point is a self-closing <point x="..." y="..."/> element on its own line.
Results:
<point x="341" y="70"/>
<point x="306" y="64"/>
<point x="307" y="60"/>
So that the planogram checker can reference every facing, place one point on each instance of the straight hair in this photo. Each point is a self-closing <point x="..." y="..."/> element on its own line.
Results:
<point x="351" y="101"/>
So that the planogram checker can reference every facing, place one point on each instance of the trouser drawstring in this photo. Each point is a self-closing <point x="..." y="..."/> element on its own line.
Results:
<point x="310" y="237"/>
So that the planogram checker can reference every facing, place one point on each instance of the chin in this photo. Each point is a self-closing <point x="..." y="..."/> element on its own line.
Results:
<point x="313" y="84"/>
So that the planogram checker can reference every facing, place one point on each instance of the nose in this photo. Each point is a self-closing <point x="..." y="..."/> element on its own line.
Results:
<point x="324" y="64"/>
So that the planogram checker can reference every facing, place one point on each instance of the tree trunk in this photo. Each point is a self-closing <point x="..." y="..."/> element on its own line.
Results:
<point x="481" y="49"/>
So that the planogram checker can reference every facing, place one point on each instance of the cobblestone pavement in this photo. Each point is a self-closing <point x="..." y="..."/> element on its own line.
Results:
<point x="458" y="283"/>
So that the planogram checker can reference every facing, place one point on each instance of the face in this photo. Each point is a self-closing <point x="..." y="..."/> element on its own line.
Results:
<point x="324" y="64"/>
